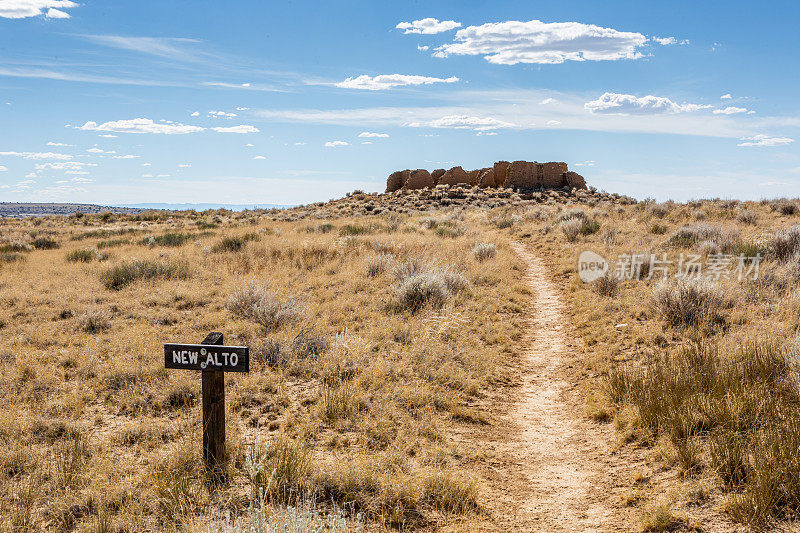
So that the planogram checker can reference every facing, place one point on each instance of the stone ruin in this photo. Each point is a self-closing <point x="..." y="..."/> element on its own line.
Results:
<point x="519" y="175"/>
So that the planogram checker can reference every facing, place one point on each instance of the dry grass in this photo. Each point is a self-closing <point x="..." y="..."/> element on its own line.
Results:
<point x="353" y="395"/>
<point x="705" y="372"/>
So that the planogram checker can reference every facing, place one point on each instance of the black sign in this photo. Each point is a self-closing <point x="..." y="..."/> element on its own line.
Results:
<point x="207" y="357"/>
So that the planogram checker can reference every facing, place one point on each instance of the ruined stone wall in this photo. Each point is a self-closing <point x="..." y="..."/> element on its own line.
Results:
<point x="520" y="175"/>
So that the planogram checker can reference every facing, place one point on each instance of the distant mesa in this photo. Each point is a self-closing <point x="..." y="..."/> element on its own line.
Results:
<point x="519" y="175"/>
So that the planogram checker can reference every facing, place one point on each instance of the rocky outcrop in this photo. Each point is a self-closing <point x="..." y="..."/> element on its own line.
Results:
<point x="519" y="175"/>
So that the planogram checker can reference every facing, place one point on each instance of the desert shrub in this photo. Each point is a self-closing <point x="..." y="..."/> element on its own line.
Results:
<point x="572" y="214"/>
<point x="124" y="274"/>
<point x="607" y="285"/>
<point x="784" y="243"/>
<point x="378" y="264"/>
<point x="307" y="344"/>
<point x="264" y="306"/>
<point x="539" y="213"/>
<point x="659" y="210"/>
<point x="11" y="257"/>
<point x="167" y="239"/>
<point x="94" y="321"/>
<point x="747" y="217"/>
<point x="571" y="228"/>
<point x="429" y="222"/>
<point x="722" y="240"/>
<point x="687" y="302"/>
<point x="784" y="207"/>
<point x="44" y="243"/>
<point x="86" y="255"/>
<point x="658" y="229"/>
<point x="410" y="266"/>
<point x="483" y="251"/>
<point x="503" y="222"/>
<point x="419" y="290"/>
<point x="15" y="246"/>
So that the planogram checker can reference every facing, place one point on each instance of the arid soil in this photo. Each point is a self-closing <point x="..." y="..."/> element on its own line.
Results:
<point x="555" y="469"/>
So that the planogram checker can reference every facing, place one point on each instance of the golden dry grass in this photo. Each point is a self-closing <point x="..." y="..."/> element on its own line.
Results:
<point x="352" y="403"/>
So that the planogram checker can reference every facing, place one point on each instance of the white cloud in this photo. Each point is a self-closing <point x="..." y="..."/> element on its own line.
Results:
<point x="367" y="142"/>
<point x="195" y="114"/>
<point x="141" y="125"/>
<point x="428" y="26"/>
<point x="184" y="165"/>
<point x="147" y="175"/>
<point x="108" y="136"/>
<point x="300" y="144"/>
<point x="548" y="101"/>
<point x="464" y="122"/>
<point x="79" y="172"/>
<point x="333" y="144"/>
<point x="162" y="175"/>
<point x="127" y="156"/>
<point x="170" y="47"/>
<point x="628" y="104"/>
<point x="242" y="128"/>
<point x="3" y="169"/>
<point x="51" y="143"/>
<point x="387" y="81"/>
<point x="248" y="145"/>
<point x="56" y="14"/>
<point x="221" y="114"/>
<point x="19" y="9"/>
<point x="372" y="134"/>
<point x="146" y="164"/>
<point x="553" y="122"/>
<point x="259" y="157"/>
<point x="512" y="42"/>
<point x="485" y="133"/>
<point x="242" y="108"/>
<point x="81" y="180"/>
<point x="765" y="140"/>
<point x="726" y="96"/>
<point x="37" y="155"/>
<point x="731" y="111"/>
<point x="422" y="48"/>
<point x="664" y="41"/>
<point x="100" y="151"/>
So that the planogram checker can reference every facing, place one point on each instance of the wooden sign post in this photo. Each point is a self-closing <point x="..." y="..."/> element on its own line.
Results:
<point x="213" y="359"/>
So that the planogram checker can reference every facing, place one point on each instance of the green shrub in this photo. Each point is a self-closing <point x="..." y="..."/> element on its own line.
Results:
<point x="124" y="274"/>
<point x="86" y="255"/>
<point x="167" y="239"/>
<point x="354" y="229"/>
<point x="44" y="243"/>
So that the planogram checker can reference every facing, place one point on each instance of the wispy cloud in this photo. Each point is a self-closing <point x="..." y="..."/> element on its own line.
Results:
<point x="167" y="47"/>
<point x="388" y="81"/>
<point x="37" y="155"/>
<point x="334" y="144"/>
<point x="142" y="125"/>
<point x="765" y="140"/>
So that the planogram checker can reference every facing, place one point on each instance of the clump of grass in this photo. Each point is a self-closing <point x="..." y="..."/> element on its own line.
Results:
<point x="378" y="264"/>
<point x="606" y="285"/>
<point x="94" y="321"/>
<point x="233" y="244"/>
<point x="264" y="306"/>
<point x="717" y="239"/>
<point x="572" y="214"/>
<point x="354" y="229"/>
<point x="44" y="243"/>
<point x="483" y="251"/>
<point x="659" y="210"/>
<point x="658" y="517"/>
<point x="687" y="302"/>
<point x="126" y="273"/>
<point x="86" y="255"/>
<point x="11" y="257"/>
<point x="280" y="469"/>
<point x="450" y="230"/>
<point x="589" y="226"/>
<point x="167" y="239"/>
<point x="15" y="246"/>
<point x="658" y="229"/>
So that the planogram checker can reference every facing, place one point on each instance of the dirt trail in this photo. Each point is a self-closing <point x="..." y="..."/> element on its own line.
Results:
<point x="554" y="469"/>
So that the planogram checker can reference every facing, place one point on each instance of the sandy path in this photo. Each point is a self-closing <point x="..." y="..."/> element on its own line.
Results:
<point x="554" y="469"/>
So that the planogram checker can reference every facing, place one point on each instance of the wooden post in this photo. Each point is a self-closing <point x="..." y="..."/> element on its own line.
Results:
<point x="213" y="414"/>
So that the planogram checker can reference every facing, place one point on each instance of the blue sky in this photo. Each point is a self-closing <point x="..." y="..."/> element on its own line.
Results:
<point x="253" y="102"/>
